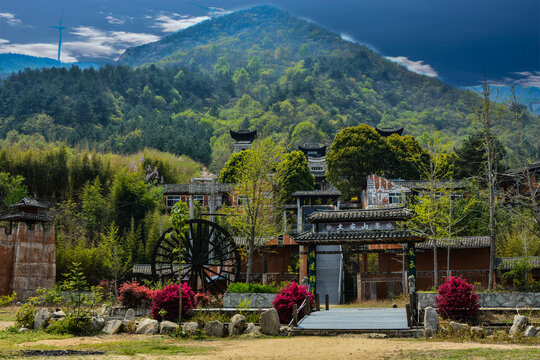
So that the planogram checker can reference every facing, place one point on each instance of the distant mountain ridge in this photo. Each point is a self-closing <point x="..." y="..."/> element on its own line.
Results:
<point x="10" y="63"/>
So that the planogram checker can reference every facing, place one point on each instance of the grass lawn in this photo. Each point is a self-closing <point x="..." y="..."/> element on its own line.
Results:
<point x="8" y="313"/>
<point x="477" y="354"/>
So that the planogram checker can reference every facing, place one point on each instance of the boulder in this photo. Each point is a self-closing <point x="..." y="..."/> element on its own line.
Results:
<point x="431" y="322"/>
<point x="58" y="314"/>
<point x="167" y="327"/>
<point x="147" y="327"/>
<point x="106" y="310"/>
<point x="252" y="330"/>
<point x="191" y="327"/>
<point x="96" y="325"/>
<point x="112" y="327"/>
<point x="130" y="315"/>
<point x="237" y="325"/>
<point x="457" y="327"/>
<point x="270" y="322"/>
<point x="477" y="331"/>
<point x="214" y="328"/>
<point x="530" y="331"/>
<point x="520" y="322"/>
<point x="42" y="318"/>
<point x="129" y="326"/>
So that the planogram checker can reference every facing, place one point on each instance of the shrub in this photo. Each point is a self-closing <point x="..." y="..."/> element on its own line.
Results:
<point x="133" y="295"/>
<point x="50" y="297"/>
<point x="107" y="289"/>
<point x="69" y="325"/>
<point x="165" y="302"/>
<point x="25" y="316"/>
<point x="202" y="300"/>
<point x="289" y="295"/>
<point x="7" y="300"/>
<point x="252" y="288"/>
<point x="457" y="300"/>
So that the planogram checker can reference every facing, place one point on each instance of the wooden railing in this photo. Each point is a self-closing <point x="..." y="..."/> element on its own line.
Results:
<point x="305" y="304"/>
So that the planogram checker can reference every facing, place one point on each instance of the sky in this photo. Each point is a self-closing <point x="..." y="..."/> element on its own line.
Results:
<point x="457" y="41"/>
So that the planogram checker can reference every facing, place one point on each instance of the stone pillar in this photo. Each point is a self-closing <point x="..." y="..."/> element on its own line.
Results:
<point x="298" y="216"/>
<point x="303" y="267"/>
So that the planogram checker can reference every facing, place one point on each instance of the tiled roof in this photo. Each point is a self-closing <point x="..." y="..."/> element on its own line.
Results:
<point x="425" y="184"/>
<point x="464" y="242"/>
<point x="507" y="263"/>
<point x="360" y="215"/>
<point x="29" y="202"/>
<point x="195" y="188"/>
<point x="331" y="192"/>
<point x="359" y="237"/>
<point x="26" y="217"/>
<point x="146" y="269"/>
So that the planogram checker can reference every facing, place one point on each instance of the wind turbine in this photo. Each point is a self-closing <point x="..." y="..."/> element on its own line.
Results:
<point x="212" y="10"/>
<point x="60" y="28"/>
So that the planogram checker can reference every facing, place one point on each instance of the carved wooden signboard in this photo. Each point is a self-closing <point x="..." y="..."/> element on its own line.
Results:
<point x="358" y="226"/>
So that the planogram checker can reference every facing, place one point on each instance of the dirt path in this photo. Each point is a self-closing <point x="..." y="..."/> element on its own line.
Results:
<point x="340" y="347"/>
<point x="6" y="324"/>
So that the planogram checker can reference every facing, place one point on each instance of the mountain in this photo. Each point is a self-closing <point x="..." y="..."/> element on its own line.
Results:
<point x="528" y="95"/>
<point x="10" y="63"/>
<point x="258" y="68"/>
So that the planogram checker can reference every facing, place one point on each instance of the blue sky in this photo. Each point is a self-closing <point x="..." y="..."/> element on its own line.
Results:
<point x="454" y="40"/>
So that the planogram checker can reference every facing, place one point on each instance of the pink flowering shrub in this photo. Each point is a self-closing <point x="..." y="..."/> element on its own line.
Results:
<point x="165" y="304"/>
<point x="202" y="299"/>
<point x="289" y="295"/>
<point x="133" y="295"/>
<point x="457" y="300"/>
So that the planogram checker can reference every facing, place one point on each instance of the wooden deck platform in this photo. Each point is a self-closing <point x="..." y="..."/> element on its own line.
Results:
<point x="355" y="319"/>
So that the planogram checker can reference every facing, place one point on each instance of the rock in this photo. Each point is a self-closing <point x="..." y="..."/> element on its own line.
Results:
<point x="530" y="331"/>
<point x="270" y="322"/>
<point x="130" y="315"/>
<point x="520" y="322"/>
<point x="214" y="328"/>
<point x="252" y="330"/>
<point x="42" y="318"/>
<point x="129" y="326"/>
<point x="147" y="327"/>
<point x="106" y="310"/>
<point x="457" y="327"/>
<point x="374" y="336"/>
<point x="237" y="325"/>
<point x="431" y="322"/>
<point x="58" y="314"/>
<point x="23" y="329"/>
<point x="96" y="325"/>
<point x="443" y="330"/>
<point x="112" y="327"/>
<point x="190" y="327"/>
<point x="167" y="327"/>
<point x="477" y="331"/>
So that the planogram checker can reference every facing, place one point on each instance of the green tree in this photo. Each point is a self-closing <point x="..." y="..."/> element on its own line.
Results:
<point x="12" y="189"/>
<point x="255" y="217"/>
<point x="230" y="173"/>
<point x="293" y="175"/>
<point x="305" y="132"/>
<point x="94" y="207"/>
<point x="471" y="155"/>
<point x="116" y="260"/>
<point x="409" y="158"/>
<point x="356" y="153"/>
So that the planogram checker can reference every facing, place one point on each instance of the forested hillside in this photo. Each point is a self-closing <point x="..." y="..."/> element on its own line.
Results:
<point x="259" y="68"/>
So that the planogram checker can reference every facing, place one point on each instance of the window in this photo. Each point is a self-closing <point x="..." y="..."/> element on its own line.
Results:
<point x="199" y="199"/>
<point x="172" y="199"/>
<point x="396" y="198"/>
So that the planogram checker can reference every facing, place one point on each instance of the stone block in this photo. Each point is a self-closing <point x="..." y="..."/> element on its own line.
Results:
<point x="190" y="327"/>
<point x="214" y="328"/>
<point x="458" y="327"/>
<point x="519" y="324"/>
<point x="270" y="322"/>
<point x="129" y="326"/>
<point x="96" y="325"/>
<point x="167" y="327"/>
<point x="130" y="315"/>
<point x="112" y="327"/>
<point x="42" y="318"/>
<point x="147" y="327"/>
<point x="431" y="322"/>
<point x="252" y="330"/>
<point x="237" y="325"/>
<point x="530" y="331"/>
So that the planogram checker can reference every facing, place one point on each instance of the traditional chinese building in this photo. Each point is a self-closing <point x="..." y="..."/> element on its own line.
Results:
<point x="27" y="249"/>
<point x="244" y="139"/>
<point x="316" y="157"/>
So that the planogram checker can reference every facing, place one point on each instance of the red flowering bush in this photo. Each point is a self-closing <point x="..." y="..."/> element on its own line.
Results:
<point x="165" y="303"/>
<point x="133" y="295"/>
<point x="457" y="300"/>
<point x="202" y="299"/>
<point x="289" y="295"/>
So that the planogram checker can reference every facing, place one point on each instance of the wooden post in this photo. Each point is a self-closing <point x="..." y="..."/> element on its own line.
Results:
<point x="318" y="301"/>
<point x="295" y="314"/>
<point x="308" y="305"/>
<point x="327" y="301"/>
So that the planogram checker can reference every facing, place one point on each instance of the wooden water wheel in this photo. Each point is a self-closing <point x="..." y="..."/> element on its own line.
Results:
<point x="210" y="258"/>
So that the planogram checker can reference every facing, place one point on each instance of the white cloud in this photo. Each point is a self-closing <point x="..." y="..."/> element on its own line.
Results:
<point x="415" y="66"/>
<point x="525" y="79"/>
<point x="115" y="20"/>
<point x="90" y="42"/>
<point x="10" y="19"/>
<point x="3" y="41"/>
<point x="347" y="37"/>
<point x="177" y="22"/>
<point x="38" y="49"/>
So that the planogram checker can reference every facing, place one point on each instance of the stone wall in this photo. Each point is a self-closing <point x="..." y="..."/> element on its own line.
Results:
<point x="28" y="257"/>
<point x="257" y="301"/>
<point x="492" y="300"/>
